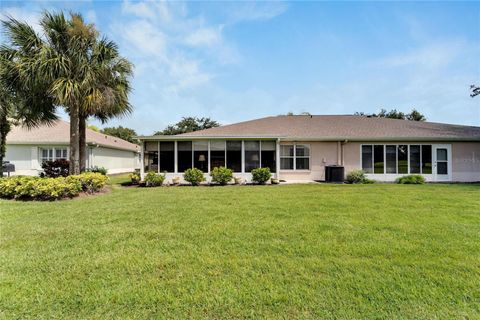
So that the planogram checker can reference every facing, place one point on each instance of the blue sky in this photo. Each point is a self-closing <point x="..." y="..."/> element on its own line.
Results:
<point x="235" y="61"/>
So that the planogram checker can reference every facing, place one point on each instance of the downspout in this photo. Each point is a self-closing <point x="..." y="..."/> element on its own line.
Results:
<point x="142" y="160"/>
<point x="277" y="156"/>
<point x="339" y="153"/>
<point x="343" y="152"/>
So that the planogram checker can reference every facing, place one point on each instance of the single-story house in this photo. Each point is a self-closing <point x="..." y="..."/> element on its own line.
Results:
<point x="297" y="148"/>
<point x="28" y="149"/>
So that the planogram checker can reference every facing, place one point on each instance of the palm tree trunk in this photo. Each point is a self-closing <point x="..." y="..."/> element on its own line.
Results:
<point x="4" y="129"/>
<point x="74" y="141"/>
<point x="82" y="129"/>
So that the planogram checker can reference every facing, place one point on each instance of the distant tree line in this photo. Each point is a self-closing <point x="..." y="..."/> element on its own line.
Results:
<point x="414" y="115"/>
<point x="188" y="124"/>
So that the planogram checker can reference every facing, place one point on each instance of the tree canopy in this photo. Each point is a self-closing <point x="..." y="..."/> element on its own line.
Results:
<point x="71" y="66"/>
<point x="121" y="132"/>
<point x="414" y="115"/>
<point x="188" y="124"/>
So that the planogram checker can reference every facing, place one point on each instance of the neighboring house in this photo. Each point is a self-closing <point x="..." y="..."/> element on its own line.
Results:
<point x="28" y="149"/>
<point x="299" y="147"/>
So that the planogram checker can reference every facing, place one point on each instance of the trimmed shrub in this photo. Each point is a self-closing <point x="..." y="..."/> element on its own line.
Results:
<point x="261" y="175"/>
<point x="90" y="182"/>
<point x="153" y="179"/>
<point x="9" y="185"/>
<point x="358" y="177"/>
<point x="194" y="176"/>
<point x="35" y="188"/>
<point x="54" y="169"/>
<point x="134" y="177"/>
<point x="96" y="169"/>
<point x="55" y="188"/>
<point x="411" y="179"/>
<point x="221" y="175"/>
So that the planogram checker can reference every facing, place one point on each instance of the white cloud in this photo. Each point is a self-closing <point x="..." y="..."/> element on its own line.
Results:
<point x="434" y="55"/>
<point x="91" y="16"/>
<point x="145" y="38"/>
<point x="140" y="9"/>
<point x="250" y="11"/>
<point x="21" y="14"/>
<point x="169" y="45"/>
<point x="205" y="36"/>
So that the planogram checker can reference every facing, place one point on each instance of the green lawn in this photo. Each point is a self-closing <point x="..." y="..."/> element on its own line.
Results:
<point x="295" y="251"/>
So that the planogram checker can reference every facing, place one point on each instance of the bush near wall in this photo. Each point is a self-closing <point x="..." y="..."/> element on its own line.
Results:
<point x="221" y="175"/>
<point x="357" y="177"/>
<point x="101" y="170"/>
<point x="194" y="176"/>
<point x="411" y="179"/>
<point x="153" y="179"/>
<point x="261" y="175"/>
<point x="56" y="168"/>
<point x="134" y="178"/>
<point x="36" y="188"/>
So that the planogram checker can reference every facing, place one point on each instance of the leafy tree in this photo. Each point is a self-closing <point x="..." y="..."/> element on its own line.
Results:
<point x="18" y="104"/>
<point x="121" y="132"/>
<point x="414" y="115"/>
<point x="475" y="90"/>
<point x="93" y="128"/>
<point x="188" y="124"/>
<point x="68" y="66"/>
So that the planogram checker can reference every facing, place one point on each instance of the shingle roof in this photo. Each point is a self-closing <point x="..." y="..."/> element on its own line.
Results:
<point x="332" y="127"/>
<point x="59" y="133"/>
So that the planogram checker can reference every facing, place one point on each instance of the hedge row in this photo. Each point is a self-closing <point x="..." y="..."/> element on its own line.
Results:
<point x="37" y="188"/>
<point x="220" y="175"/>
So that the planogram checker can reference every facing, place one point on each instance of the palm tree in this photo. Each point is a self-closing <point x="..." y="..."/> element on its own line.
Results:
<point x="22" y="99"/>
<point x="71" y="66"/>
<point x="109" y="97"/>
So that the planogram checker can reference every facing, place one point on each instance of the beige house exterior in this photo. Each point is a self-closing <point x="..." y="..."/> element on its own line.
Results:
<point x="28" y="149"/>
<point x="298" y="148"/>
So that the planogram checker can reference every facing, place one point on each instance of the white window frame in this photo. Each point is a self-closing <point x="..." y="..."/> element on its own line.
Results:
<point x="54" y="154"/>
<point x="295" y="157"/>
<point x="396" y="150"/>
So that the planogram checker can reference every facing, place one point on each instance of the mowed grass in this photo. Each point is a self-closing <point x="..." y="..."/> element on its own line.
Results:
<point x="294" y="251"/>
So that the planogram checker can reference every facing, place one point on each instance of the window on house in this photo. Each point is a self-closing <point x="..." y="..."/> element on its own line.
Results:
<point x="61" y="154"/>
<point x="391" y="159"/>
<point x="402" y="159"/>
<point x="397" y="159"/>
<point x="367" y="159"/>
<point x="426" y="159"/>
<point x="268" y="155"/>
<point x="51" y="154"/>
<point x="302" y="157"/>
<point x="167" y="156"/>
<point x="252" y="155"/>
<point x="184" y="155"/>
<point x="295" y="157"/>
<point x="234" y="156"/>
<point x="286" y="157"/>
<point x="151" y="156"/>
<point x="217" y="154"/>
<point x="47" y="155"/>
<point x="200" y="155"/>
<point x="415" y="159"/>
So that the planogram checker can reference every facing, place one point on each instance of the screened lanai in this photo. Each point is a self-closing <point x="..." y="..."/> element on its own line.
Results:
<point x="242" y="156"/>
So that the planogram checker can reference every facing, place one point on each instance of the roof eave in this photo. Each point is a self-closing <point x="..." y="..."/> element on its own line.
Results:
<point x="287" y="138"/>
<point x="192" y="137"/>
